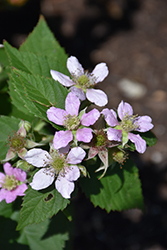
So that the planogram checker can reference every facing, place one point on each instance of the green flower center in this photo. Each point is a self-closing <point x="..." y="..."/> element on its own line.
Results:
<point x="120" y="156"/>
<point x="71" y="122"/>
<point x="17" y="142"/>
<point x="128" y="123"/>
<point x="10" y="182"/>
<point x="100" y="140"/>
<point x="84" y="81"/>
<point x="58" y="163"/>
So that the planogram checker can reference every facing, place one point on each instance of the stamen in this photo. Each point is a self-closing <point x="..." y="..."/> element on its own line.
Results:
<point x="10" y="182"/>
<point x="129" y="123"/>
<point x="71" y="122"/>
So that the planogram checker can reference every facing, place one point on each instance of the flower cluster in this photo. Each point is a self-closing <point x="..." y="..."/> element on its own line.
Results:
<point x="86" y="133"/>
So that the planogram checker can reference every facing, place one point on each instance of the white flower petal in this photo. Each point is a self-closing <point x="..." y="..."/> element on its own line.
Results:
<point x="76" y="155"/>
<point x="97" y="96"/>
<point x="72" y="173"/>
<point x="78" y="92"/>
<point x="100" y="72"/>
<point x="74" y="67"/>
<point x="64" y="187"/>
<point x="61" y="78"/>
<point x="37" y="157"/>
<point x="42" y="179"/>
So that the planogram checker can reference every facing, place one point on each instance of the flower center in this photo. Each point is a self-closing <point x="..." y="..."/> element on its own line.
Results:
<point x="10" y="182"/>
<point x="100" y="139"/>
<point x="58" y="163"/>
<point x="129" y="123"/>
<point x="71" y="122"/>
<point x="120" y="156"/>
<point x="84" y="81"/>
<point x="17" y="142"/>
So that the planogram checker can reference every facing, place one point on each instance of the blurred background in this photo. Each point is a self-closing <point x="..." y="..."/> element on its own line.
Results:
<point x="131" y="37"/>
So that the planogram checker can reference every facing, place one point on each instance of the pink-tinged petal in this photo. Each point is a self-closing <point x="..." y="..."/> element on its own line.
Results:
<point x="78" y="92"/>
<point x="90" y="118"/>
<point x="62" y="138"/>
<point x="97" y="96"/>
<point x="72" y="173"/>
<point x="76" y="155"/>
<point x="61" y="78"/>
<point x="139" y="142"/>
<point x="38" y="157"/>
<point x="2" y="178"/>
<point x="22" y="131"/>
<point x="64" y="150"/>
<point x="110" y="117"/>
<point x="114" y="134"/>
<point x="42" y="179"/>
<point x="10" y="155"/>
<point x="64" y="187"/>
<point x="144" y="123"/>
<point x="92" y="153"/>
<point x="3" y="194"/>
<point x="22" y="153"/>
<point x="72" y="104"/>
<point x="84" y="134"/>
<point x="8" y="169"/>
<point x="124" y="108"/>
<point x="56" y="115"/>
<point x="10" y="196"/>
<point x="19" y="191"/>
<point x="19" y="174"/>
<point x="100" y="72"/>
<point x="74" y="67"/>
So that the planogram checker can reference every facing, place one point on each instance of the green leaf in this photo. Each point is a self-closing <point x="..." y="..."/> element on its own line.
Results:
<point x="3" y="67"/>
<point x="37" y="93"/>
<point x="42" y="42"/>
<point x="33" y="63"/>
<point x="119" y="189"/>
<point x="150" y="138"/>
<point x="38" y="206"/>
<point x="8" y="125"/>
<point x="5" y="209"/>
<point x="50" y="234"/>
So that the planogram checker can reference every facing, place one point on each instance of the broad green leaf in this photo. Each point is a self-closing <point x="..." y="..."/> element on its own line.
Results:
<point x="50" y="234"/>
<point x="42" y="42"/>
<point x="3" y="67"/>
<point x="5" y="209"/>
<point x="33" y="63"/>
<point x="8" y="125"/>
<point x="150" y="138"/>
<point x="38" y="206"/>
<point x="119" y="189"/>
<point x="38" y="93"/>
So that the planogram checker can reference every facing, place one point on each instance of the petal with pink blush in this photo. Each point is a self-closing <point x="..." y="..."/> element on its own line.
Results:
<point x="61" y="78"/>
<point x="144" y="123"/>
<point x="90" y="118"/>
<point x="76" y="155"/>
<point x="84" y="134"/>
<point x="100" y="72"/>
<point x="56" y="115"/>
<point x="3" y="194"/>
<point x="139" y="142"/>
<point x="8" y="169"/>
<point x="78" y="92"/>
<point x="22" y="131"/>
<point x="62" y="138"/>
<point x="97" y="96"/>
<point x="2" y="178"/>
<point x="21" y="189"/>
<point x="124" y="108"/>
<point x="74" y="67"/>
<point x="72" y="104"/>
<point x="42" y="179"/>
<point x="19" y="174"/>
<point x="37" y="157"/>
<point x="114" y="134"/>
<point x="110" y="117"/>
